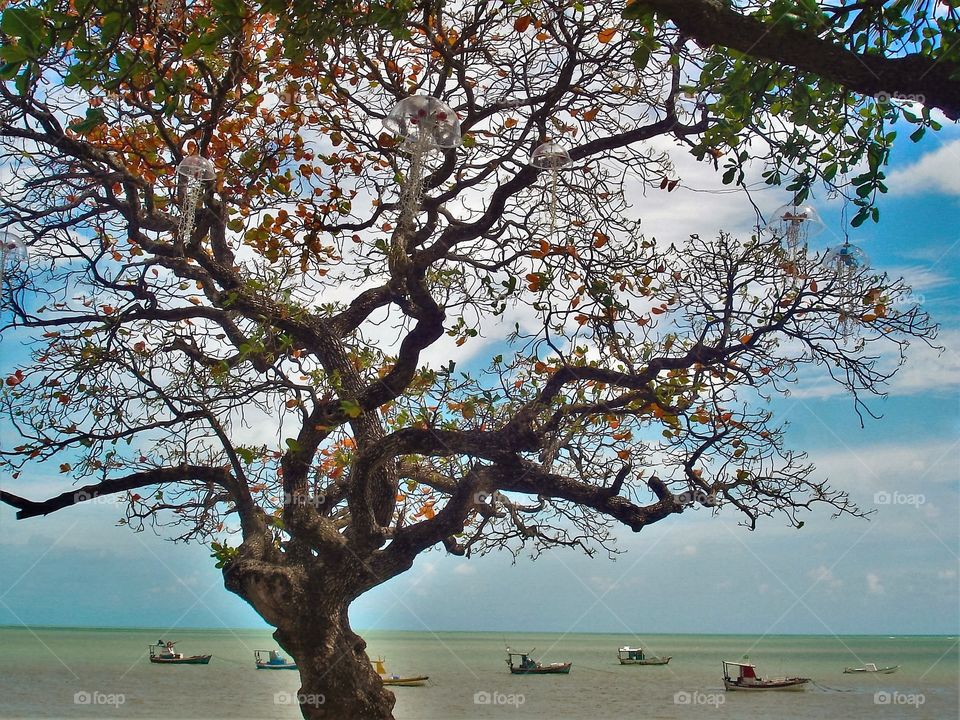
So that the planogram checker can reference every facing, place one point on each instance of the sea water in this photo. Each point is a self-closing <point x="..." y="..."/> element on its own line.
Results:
<point x="105" y="673"/>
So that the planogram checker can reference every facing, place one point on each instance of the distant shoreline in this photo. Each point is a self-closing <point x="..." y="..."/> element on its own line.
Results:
<point x="514" y="631"/>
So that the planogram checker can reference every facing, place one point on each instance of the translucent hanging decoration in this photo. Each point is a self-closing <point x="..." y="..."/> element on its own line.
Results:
<point x="795" y="225"/>
<point x="423" y="125"/>
<point x="13" y="251"/>
<point x="193" y="173"/>
<point x="847" y="261"/>
<point x="551" y="157"/>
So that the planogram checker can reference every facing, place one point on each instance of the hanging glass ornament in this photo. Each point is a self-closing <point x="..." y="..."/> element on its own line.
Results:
<point x="847" y="261"/>
<point x="193" y="173"/>
<point x="551" y="157"/>
<point x="13" y="249"/>
<point x="423" y="125"/>
<point x="795" y="225"/>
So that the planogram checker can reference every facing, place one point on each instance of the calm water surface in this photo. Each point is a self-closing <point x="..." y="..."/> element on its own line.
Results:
<point x="83" y="673"/>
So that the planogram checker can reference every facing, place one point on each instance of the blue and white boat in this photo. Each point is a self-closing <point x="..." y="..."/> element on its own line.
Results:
<point x="272" y="660"/>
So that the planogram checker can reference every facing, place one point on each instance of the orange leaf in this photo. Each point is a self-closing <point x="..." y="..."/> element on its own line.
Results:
<point x="292" y="403"/>
<point x="606" y="35"/>
<point x="745" y="339"/>
<point x="522" y="23"/>
<point x="510" y="122"/>
<point x="591" y="114"/>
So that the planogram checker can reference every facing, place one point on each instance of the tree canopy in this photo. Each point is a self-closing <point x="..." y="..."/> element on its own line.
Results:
<point x="242" y="270"/>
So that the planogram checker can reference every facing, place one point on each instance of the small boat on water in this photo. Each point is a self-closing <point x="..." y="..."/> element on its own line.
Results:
<point x="526" y="666"/>
<point x="272" y="660"/>
<point x="745" y="678"/>
<point x="636" y="656"/>
<point x="389" y="679"/>
<point x="871" y="668"/>
<point x="163" y="653"/>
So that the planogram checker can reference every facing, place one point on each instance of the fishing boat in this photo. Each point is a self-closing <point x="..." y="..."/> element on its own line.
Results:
<point x="389" y="679"/>
<point x="636" y="656"/>
<point x="526" y="666"/>
<point x="164" y="654"/>
<point x="746" y="679"/>
<point x="272" y="660"/>
<point x="871" y="668"/>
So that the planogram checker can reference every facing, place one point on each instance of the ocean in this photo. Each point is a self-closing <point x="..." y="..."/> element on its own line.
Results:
<point x="104" y="673"/>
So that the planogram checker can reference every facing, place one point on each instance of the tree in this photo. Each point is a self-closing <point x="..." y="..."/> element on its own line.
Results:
<point x="304" y="286"/>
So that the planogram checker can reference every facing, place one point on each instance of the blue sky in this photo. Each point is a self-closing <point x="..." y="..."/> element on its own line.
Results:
<point x="894" y="574"/>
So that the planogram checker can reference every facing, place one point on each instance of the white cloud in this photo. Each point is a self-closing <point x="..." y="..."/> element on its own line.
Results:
<point x="928" y="370"/>
<point x="949" y="574"/>
<point x="688" y="550"/>
<point x="935" y="172"/>
<point x="464" y="569"/>
<point x="824" y="576"/>
<point x="874" y="586"/>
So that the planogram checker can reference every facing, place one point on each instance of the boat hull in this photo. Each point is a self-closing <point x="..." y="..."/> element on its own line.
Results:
<point x="555" y="669"/>
<point x="268" y="666"/>
<point x="192" y="660"/>
<point x="406" y="682"/>
<point x="648" y="661"/>
<point x="878" y="671"/>
<point x="785" y="684"/>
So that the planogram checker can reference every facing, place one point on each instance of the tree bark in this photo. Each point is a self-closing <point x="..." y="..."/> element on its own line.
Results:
<point x="338" y="680"/>
<point x="307" y="604"/>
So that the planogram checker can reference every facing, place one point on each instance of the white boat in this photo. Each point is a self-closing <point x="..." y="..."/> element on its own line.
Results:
<point x="871" y="668"/>
<point x="636" y="656"/>
<point x="272" y="660"/>
<point x="746" y="679"/>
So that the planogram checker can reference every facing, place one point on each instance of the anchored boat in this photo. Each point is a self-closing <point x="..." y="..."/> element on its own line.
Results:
<point x="636" y="656"/>
<point x="526" y="666"/>
<point x="163" y="654"/>
<point x="388" y="679"/>
<point x="871" y="668"/>
<point x="272" y="660"/>
<point x="746" y="678"/>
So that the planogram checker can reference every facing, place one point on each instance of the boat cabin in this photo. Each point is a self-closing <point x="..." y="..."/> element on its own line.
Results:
<point x="629" y="653"/>
<point x="523" y="663"/>
<point x="165" y="651"/>
<point x="746" y="673"/>
<point x="272" y="658"/>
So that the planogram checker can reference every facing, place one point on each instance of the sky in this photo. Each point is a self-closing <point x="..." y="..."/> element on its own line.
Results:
<point x="894" y="573"/>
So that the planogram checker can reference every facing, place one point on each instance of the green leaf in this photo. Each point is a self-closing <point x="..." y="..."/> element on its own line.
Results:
<point x="95" y="118"/>
<point x="351" y="408"/>
<point x="24" y="23"/>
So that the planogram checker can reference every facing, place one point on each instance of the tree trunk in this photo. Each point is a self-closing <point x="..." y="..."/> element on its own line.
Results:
<point x="338" y="680"/>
